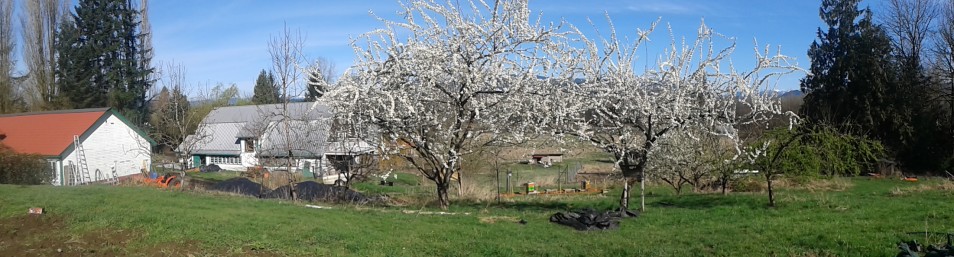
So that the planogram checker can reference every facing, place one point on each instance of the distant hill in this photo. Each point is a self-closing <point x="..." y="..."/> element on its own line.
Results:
<point x="793" y="93"/>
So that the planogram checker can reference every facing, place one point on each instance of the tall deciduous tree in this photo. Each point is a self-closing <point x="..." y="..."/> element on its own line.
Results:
<point x="104" y="60"/>
<point x="446" y="80"/>
<point x="41" y="20"/>
<point x="285" y="50"/>
<point x="8" y="92"/>
<point x="171" y="117"/>
<point x="265" y="91"/>
<point x="943" y="53"/>
<point x="851" y="72"/>
<point x="910" y="23"/>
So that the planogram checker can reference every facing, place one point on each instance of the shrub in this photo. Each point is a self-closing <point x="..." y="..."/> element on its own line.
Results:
<point x="23" y="169"/>
<point x="747" y="184"/>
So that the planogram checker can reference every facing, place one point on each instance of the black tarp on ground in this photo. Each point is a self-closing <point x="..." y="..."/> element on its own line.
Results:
<point x="242" y="186"/>
<point x="589" y="219"/>
<point x="313" y="191"/>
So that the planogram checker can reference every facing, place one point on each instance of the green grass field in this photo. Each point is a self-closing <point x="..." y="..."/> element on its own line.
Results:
<point x="866" y="219"/>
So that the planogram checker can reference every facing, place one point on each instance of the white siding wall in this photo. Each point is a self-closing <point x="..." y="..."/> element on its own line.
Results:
<point x="114" y="143"/>
<point x="248" y="158"/>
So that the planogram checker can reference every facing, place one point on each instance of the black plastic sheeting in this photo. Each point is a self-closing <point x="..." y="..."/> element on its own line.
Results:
<point x="315" y="192"/>
<point x="241" y="186"/>
<point x="307" y="191"/>
<point x="589" y="219"/>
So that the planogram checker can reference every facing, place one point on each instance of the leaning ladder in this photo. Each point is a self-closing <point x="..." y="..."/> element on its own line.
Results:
<point x="81" y="161"/>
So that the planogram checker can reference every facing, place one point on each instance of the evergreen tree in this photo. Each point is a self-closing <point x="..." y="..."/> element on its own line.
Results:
<point x="851" y="72"/>
<point x="103" y="62"/>
<point x="266" y="91"/>
<point x="317" y="86"/>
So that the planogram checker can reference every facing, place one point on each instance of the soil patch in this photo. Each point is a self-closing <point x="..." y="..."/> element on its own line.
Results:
<point x="45" y="235"/>
<point x="49" y="235"/>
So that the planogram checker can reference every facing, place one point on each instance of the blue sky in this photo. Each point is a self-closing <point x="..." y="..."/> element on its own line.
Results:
<point x="225" y="41"/>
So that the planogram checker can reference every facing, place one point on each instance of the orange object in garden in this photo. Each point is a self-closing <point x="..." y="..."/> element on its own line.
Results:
<point x="911" y="179"/>
<point x="163" y="181"/>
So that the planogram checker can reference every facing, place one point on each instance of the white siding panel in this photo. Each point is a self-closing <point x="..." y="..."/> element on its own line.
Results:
<point x="111" y="144"/>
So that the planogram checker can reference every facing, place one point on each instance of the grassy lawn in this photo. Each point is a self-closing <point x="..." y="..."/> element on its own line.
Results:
<point x="866" y="219"/>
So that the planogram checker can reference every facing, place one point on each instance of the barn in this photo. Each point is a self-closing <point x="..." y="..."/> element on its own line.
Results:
<point x="81" y="146"/>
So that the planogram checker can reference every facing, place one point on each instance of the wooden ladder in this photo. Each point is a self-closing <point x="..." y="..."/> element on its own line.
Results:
<point x="81" y="161"/>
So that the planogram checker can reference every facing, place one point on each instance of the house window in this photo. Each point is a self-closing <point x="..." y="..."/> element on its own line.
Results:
<point x="225" y="160"/>
<point x="249" y="145"/>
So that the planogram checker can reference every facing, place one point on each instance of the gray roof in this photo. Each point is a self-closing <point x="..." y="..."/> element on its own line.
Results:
<point x="271" y="112"/>
<point x="225" y="125"/>
<point x="307" y="139"/>
<point x="349" y="146"/>
<point x="215" y="139"/>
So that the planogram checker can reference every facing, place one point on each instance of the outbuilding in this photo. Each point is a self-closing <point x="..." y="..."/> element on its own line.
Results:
<point x="81" y="146"/>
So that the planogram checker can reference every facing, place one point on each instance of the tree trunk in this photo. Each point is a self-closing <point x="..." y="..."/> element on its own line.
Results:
<point x="460" y="184"/>
<point x="633" y="170"/>
<point x="725" y="183"/>
<point x="642" y="191"/>
<point x="442" y="197"/>
<point x="771" y="193"/>
<point x="624" y="198"/>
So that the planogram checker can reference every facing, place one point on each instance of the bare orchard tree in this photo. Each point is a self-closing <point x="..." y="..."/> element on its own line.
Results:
<point x="286" y="54"/>
<point x="354" y="149"/>
<point x="446" y="80"/>
<point x="694" y="87"/>
<point x="172" y="118"/>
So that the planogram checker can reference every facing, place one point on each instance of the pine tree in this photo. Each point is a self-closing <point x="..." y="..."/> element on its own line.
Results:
<point x="266" y="91"/>
<point x="102" y="61"/>
<point x="850" y="72"/>
<point x="317" y="86"/>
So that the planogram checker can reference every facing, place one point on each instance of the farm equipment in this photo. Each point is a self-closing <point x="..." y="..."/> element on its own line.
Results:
<point x="164" y="181"/>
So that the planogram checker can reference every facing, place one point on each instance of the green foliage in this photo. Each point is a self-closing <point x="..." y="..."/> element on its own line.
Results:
<point x="866" y="86"/>
<point x="266" y="90"/>
<point x="23" y="169"/>
<point x="101" y="59"/>
<point x="820" y="151"/>
<point x="220" y="95"/>
<point x="841" y="154"/>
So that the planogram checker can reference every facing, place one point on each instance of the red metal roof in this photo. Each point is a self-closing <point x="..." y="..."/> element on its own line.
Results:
<point x="46" y="133"/>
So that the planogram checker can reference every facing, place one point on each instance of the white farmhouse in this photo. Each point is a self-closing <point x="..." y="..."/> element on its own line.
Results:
<point x="81" y="146"/>
<point x="239" y="137"/>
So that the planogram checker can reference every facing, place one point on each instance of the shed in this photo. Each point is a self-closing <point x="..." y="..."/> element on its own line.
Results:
<point x="81" y="146"/>
<point x="547" y="158"/>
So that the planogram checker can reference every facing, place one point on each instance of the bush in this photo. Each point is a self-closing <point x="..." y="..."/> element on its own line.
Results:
<point x="748" y="184"/>
<point x="23" y="169"/>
